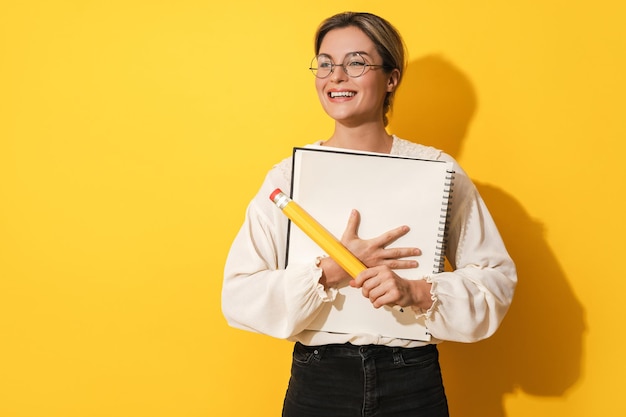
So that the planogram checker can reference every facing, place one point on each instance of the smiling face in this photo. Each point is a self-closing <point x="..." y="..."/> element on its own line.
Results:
<point x="353" y="101"/>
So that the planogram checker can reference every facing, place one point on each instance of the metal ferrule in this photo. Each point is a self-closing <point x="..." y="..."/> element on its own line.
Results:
<point x="281" y="200"/>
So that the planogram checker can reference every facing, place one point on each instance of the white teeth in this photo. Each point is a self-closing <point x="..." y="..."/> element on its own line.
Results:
<point x="334" y="94"/>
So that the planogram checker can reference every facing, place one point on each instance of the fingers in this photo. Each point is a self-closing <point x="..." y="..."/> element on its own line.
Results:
<point x="393" y="257"/>
<point x="352" y="229"/>
<point x="397" y="253"/>
<point x="371" y="278"/>
<point x="400" y="263"/>
<point x="391" y="236"/>
<point x="373" y="252"/>
<point x="380" y="285"/>
<point x="381" y="297"/>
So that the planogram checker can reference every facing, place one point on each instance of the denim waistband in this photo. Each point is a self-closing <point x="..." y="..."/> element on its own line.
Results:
<point x="350" y="350"/>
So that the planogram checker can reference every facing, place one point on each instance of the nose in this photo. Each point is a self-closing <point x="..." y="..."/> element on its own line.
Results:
<point x="339" y="74"/>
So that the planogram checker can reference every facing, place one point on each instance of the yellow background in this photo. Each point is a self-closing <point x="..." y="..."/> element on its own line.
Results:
<point x="133" y="134"/>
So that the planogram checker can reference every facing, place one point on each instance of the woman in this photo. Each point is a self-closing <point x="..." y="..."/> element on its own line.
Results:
<point x="358" y="67"/>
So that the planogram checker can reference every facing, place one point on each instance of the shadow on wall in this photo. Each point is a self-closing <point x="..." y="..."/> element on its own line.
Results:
<point x="538" y="348"/>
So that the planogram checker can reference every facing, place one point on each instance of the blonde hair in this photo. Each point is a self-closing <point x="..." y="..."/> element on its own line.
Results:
<point x="386" y="38"/>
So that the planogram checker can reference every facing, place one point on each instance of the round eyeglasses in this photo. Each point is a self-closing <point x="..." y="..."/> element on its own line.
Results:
<point x="354" y="65"/>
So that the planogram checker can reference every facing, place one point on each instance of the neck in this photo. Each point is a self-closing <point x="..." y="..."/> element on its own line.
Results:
<point x="367" y="137"/>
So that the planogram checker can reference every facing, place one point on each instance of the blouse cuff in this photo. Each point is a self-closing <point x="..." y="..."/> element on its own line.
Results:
<point x="420" y="312"/>
<point x="327" y="296"/>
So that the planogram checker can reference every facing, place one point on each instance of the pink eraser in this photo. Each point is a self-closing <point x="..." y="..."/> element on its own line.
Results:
<point x="274" y="193"/>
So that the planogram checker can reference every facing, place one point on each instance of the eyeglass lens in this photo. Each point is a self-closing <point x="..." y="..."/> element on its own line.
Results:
<point x="353" y="64"/>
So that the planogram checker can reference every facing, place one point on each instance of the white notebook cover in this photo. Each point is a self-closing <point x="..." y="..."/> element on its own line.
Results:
<point x="389" y="191"/>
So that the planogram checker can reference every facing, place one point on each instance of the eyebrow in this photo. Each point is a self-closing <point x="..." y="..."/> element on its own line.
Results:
<point x="349" y="53"/>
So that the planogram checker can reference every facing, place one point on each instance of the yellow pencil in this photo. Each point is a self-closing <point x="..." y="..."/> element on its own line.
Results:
<point x="324" y="239"/>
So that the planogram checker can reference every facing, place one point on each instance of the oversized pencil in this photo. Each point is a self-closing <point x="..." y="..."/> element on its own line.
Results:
<point x="324" y="239"/>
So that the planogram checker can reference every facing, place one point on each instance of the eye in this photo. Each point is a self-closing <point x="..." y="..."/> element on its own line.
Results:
<point x="324" y="62"/>
<point x="356" y="64"/>
<point x="354" y="60"/>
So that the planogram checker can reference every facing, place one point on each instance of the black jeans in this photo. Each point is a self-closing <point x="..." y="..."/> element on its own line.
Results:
<point x="365" y="381"/>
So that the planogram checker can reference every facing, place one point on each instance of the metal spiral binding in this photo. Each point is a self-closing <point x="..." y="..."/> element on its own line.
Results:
<point x="444" y="222"/>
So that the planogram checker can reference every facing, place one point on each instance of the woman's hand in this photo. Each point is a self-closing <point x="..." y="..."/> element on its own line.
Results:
<point x="382" y="287"/>
<point x="372" y="252"/>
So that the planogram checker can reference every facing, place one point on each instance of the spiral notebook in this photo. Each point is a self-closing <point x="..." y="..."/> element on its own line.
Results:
<point x="389" y="191"/>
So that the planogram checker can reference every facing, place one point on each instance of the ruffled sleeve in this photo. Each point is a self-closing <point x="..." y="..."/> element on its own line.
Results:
<point x="258" y="292"/>
<point x="471" y="300"/>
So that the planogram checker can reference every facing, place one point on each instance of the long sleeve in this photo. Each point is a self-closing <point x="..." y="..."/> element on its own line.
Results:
<point x="471" y="301"/>
<point x="258" y="293"/>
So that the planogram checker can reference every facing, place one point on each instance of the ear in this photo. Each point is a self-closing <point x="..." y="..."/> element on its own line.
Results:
<point x="394" y="79"/>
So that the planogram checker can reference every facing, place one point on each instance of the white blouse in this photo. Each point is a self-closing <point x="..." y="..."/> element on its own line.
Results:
<point x="261" y="295"/>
